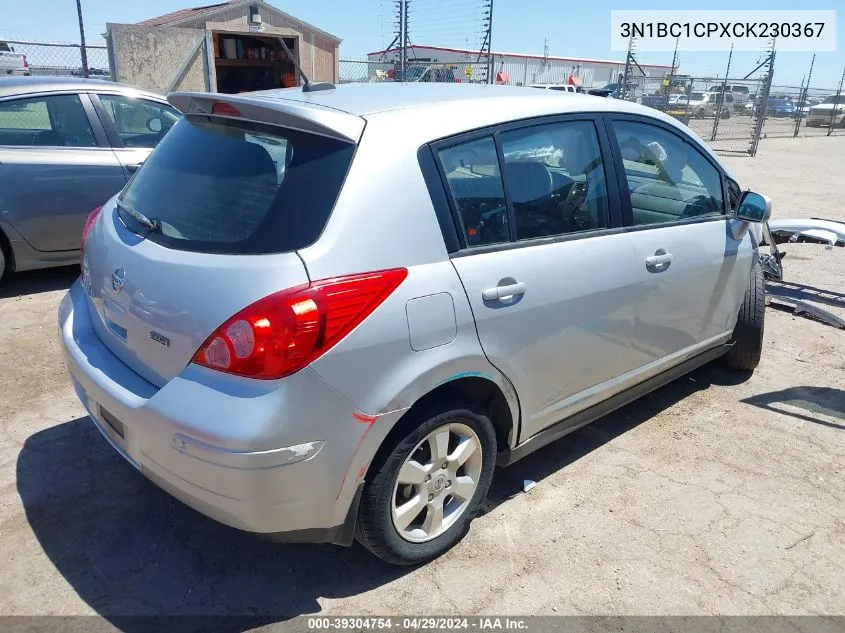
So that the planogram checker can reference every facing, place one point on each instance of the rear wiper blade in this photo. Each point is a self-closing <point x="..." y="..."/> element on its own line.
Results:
<point x="151" y="224"/>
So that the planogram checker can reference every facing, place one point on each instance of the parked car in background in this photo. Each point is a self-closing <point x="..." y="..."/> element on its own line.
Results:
<point x="431" y="74"/>
<point x="658" y="101"/>
<point x="663" y="101"/>
<point x="558" y="87"/>
<point x="66" y="146"/>
<point x="12" y="63"/>
<point x="781" y="107"/>
<point x="93" y="73"/>
<point x="355" y="358"/>
<point x="740" y="94"/>
<point x="831" y="111"/>
<point x="706" y="104"/>
<point x="612" y="90"/>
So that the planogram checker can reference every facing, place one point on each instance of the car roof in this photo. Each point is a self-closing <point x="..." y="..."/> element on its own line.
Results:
<point x="426" y="111"/>
<point x="364" y="99"/>
<point x="15" y="86"/>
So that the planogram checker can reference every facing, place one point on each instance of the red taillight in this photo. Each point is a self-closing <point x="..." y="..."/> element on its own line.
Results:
<point x="225" y="109"/>
<point x="89" y="222"/>
<point x="25" y="63"/>
<point x="285" y="331"/>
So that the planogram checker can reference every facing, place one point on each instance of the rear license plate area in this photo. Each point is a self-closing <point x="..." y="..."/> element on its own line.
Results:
<point x="113" y="423"/>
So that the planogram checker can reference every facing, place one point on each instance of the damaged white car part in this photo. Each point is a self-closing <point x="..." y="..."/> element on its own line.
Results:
<point x="808" y="230"/>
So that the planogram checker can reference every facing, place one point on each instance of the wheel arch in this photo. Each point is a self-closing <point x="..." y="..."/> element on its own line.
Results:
<point x="473" y="390"/>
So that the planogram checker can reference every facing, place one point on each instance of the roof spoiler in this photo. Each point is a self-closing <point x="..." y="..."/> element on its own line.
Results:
<point x="311" y="118"/>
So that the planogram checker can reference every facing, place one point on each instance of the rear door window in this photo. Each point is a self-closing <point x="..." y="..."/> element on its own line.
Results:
<point x="555" y="179"/>
<point x="50" y="121"/>
<point x="475" y="182"/>
<point x="237" y="187"/>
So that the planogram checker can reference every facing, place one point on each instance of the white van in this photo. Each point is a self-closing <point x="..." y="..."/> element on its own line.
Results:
<point x="739" y="92"/>
<point x="560" y="87"/>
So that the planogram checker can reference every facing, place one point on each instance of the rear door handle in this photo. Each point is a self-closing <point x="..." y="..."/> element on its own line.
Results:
<point x="658" y="259"/>
<point x="500" y="292"/>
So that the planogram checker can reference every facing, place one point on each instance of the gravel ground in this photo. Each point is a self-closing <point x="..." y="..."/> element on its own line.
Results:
<point x="718" y="494"/>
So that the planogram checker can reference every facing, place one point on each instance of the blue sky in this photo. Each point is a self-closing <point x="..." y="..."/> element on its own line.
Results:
<point x="572" y="28"/>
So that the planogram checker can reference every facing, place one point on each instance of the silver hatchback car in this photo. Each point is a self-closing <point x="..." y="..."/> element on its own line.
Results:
<point x="328" y="315"/>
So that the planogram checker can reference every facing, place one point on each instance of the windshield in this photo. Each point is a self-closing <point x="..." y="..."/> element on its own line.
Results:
<point x="697" y="96"/>
<point x="414" y="72"/>
<point x="834" y="98"/>
<point x="230" y="187"/>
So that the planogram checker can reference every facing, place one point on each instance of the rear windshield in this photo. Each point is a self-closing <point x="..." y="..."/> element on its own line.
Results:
<point x="225" y="187"/>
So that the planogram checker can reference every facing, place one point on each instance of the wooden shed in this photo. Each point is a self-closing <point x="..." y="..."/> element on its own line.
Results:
<point x="230" y="47"/>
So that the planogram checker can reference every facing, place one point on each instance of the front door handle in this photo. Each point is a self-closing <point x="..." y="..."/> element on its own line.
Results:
<point x="660" y="258"/>
<point x="500" y="292"/>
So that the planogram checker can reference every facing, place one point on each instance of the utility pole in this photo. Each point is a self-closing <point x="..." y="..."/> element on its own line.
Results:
<point x="82" y="51"/>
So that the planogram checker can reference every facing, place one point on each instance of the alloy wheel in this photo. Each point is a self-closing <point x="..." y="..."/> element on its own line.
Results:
<point x="436" y="482"/>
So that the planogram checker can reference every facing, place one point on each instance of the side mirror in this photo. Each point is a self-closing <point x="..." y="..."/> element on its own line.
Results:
<point x="754" y="207"/>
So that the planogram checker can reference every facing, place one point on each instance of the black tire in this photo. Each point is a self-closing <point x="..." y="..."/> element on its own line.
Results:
<point x="2" y="262"/>
<point x="748" y="332"/>
<point x="700" y="113"/>
<point x="375" y="529"/>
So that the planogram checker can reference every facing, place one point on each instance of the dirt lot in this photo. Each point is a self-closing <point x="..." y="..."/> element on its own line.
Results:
<point x="718" y="494"/>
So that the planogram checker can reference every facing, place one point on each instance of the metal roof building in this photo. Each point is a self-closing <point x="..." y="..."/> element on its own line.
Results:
<point x="522" y="69"/>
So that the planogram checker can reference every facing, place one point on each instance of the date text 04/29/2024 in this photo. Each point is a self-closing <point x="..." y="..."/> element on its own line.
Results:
<point x="414" y="623"/>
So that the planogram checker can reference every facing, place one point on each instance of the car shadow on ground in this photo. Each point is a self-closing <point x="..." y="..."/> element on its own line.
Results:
<point x="815" y="400"/>
<point x="37" y="281"/>
<point x="131" y="551"/>
<point x="550" y="459"/>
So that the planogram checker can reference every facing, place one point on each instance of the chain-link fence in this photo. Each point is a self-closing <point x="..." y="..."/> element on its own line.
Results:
<point x="804" y="111"/>
<point x="63" y="59"/>
<point x="721" y="111"/>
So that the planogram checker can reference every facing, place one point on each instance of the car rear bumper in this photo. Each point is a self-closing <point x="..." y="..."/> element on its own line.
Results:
<point x="263" y="456"/>
<point x="824" y="119"/>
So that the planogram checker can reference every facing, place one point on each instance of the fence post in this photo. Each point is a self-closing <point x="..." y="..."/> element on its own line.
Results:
<point x="403" y="38"/>
<point x="836" y="104"/>
<point x="721" y="100"/>
<point x="764" y="104"/>
<point x="802" y="98"/>
<point x="689" y="96"/>
<point x="210" y="73"/>
<point x="623" y="89"/>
